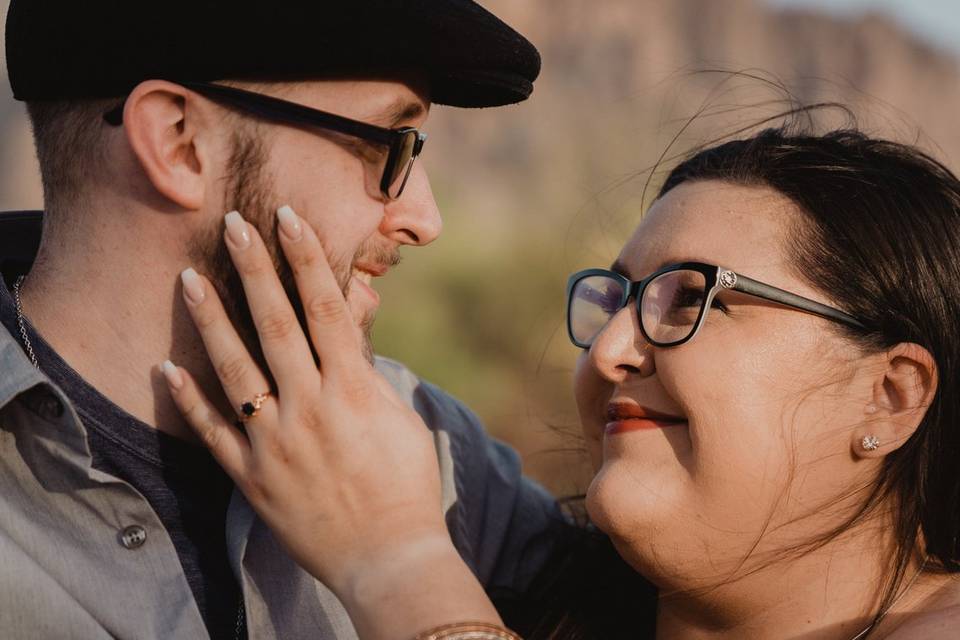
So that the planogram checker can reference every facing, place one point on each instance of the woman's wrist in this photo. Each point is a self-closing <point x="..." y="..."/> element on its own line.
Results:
<point x="383" y="564"/>
<point x="422" y="585"/>
<point x="468" y="631"/>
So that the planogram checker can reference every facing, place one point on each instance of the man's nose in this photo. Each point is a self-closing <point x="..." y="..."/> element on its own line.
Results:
<point x="620" y="350"/>
<point x="414" y="217"/>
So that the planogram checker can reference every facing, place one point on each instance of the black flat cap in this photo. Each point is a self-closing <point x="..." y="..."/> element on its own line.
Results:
<point x="75" y="49"/>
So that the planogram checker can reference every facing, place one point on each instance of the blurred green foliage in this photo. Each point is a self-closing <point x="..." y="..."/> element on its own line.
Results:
<point x="480" y="312"/>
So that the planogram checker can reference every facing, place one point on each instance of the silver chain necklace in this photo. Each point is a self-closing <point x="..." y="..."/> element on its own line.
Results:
<point x="874" y="623"/>
<point x="22" y="324"/>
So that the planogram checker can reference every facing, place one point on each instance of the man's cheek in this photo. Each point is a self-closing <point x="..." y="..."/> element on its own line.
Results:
<point x="363" y="314"/>
<point x="357" y="309"/>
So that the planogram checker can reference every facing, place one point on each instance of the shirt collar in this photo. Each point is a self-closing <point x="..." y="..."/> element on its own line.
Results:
<point x="41" y="397"/>
<point x="19" y="374"/>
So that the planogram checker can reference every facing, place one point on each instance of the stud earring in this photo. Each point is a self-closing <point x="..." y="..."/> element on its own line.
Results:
<point x="870" y="443"/>
<point x="871" y="408"/>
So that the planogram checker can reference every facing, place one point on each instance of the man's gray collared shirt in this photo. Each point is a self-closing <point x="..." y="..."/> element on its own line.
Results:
<point x="83" y="555"/>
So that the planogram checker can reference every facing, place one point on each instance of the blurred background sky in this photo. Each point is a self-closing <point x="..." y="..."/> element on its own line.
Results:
<point x="937" y="21"/>
<point x="533" y="192"/>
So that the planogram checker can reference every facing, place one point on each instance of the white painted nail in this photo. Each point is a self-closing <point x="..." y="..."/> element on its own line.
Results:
<point x="172" y="374"/>
<point x="237" y="230"/>
<point x="289" y="223"/>
<point x="192" y="286"/>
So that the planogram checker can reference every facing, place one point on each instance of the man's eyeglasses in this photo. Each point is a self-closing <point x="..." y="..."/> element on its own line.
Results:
<point x="402" y="145"/>
<point x="672" y="303"/>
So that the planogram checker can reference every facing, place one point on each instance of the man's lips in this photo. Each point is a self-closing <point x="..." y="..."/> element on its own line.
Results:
<point x="628" y="416"/>
<point x="374" y="269"/>
<point x="363" y="275"/>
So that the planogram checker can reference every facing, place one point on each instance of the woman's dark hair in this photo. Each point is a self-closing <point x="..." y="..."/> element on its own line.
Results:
<point x="880" y="237"/>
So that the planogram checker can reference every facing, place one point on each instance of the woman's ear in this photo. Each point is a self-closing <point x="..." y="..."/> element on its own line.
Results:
<point x="161" y="122"/>
<point x="902" y="393"/>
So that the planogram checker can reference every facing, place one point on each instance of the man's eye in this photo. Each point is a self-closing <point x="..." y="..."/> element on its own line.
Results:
<point x="367" y="150"/>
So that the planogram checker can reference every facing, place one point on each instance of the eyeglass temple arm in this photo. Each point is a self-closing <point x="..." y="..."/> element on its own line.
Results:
<point x="275" y="109"/>
<point x="774" y="294"/>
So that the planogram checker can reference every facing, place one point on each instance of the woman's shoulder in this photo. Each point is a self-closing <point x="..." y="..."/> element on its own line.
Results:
<point x="938" y="618"/>
<point x="943" y="624"/>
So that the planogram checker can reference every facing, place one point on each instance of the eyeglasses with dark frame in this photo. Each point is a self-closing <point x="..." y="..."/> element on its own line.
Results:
<point x="403" y="144"/>
<point x="672" y="303"/>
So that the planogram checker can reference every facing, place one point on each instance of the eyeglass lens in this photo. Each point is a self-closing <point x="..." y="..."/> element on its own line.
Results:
<point x="670" y="307"/>
<point x="593" y="301"/>
<point x="399" y="171"/>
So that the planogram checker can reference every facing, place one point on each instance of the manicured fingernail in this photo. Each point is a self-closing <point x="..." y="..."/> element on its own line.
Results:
<point x="172" y="374"/>
<point x="192" y="286"/>
<point x="237" y="230"/>
<point x="289" y="223"/>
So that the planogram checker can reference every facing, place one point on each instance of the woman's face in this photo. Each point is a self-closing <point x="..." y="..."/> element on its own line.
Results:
<point x="765" y="395"/>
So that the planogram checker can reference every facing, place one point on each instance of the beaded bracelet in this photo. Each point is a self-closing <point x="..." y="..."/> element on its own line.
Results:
<point x="468" y="631"/>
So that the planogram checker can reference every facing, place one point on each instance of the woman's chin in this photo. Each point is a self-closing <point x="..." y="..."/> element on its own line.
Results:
<point x="621" y="505"/>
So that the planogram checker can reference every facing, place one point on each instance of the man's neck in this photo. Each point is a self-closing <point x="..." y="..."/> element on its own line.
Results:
<point x="114" y="314"/>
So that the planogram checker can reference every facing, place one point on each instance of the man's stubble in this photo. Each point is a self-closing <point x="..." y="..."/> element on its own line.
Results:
<point x="249" y="190"/>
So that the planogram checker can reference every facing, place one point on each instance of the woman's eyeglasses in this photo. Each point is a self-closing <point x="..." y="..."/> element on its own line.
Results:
<point x="402" y="145"/>
<point x="672" y="303"/>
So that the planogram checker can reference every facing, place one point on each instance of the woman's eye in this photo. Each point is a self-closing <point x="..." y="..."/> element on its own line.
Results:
<point x="692" y="298"/>
<point x="689" y="297"/>
<point x="717" y="303"/>
<point x="609" y="299"/>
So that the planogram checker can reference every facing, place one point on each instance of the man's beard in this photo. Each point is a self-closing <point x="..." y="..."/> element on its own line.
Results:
<point x="249" y="190"/>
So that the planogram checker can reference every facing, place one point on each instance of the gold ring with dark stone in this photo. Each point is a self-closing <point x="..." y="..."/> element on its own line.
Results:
<point x="251" y="408"/>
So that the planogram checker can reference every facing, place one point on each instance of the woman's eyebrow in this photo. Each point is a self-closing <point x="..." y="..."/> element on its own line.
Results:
<point x="619" y="267"/>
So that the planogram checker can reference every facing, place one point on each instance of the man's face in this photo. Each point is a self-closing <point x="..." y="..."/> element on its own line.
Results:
<point x="332" y="182"/>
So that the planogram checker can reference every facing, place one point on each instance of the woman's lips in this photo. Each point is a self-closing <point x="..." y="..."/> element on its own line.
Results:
<point x="623" y="417"/>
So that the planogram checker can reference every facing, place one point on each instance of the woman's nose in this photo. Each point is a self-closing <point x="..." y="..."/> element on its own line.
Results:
<point x="620" y="350"/>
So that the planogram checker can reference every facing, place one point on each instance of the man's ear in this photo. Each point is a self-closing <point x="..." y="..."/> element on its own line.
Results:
<point x="902" y="393"/>
<point x="161" y="123"/>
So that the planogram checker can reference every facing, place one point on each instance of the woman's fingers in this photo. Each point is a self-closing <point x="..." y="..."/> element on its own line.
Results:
<point x="341" y="427"/>
<point x="230" y="447"/>
<point x="239" y="375"/>
<point x="329" y="319"/>
<point x="281" y="337"/>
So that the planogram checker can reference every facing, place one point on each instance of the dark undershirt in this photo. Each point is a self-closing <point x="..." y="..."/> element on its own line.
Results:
<point x="182" y="482"/>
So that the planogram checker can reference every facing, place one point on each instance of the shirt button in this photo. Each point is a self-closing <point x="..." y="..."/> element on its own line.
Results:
<point x="44" y="404"/>
<point x="50" y="408"/>
<point x="133" y="536"/>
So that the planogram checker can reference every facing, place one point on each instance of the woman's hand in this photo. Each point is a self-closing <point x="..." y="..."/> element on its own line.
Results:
<point x="339" y="467"/>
